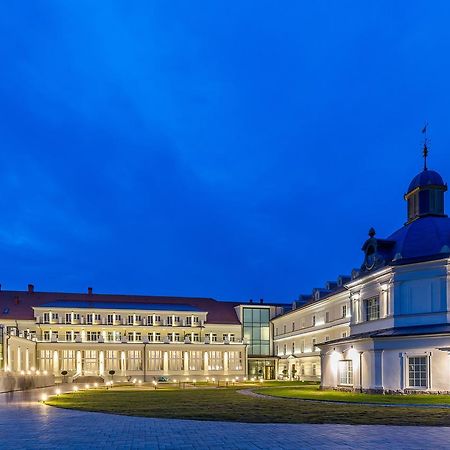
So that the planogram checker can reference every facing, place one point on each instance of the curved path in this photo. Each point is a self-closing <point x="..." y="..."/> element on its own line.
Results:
<point x="251" y="393"/>
<point x="27" y="424"/>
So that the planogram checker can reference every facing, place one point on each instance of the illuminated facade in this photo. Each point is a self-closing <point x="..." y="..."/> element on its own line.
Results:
<point x="387" y="327"/>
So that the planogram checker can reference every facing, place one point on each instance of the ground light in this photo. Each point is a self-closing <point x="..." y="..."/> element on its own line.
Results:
<point x="95" y="384"/>
<point x="87" y="386"/>
<point x="44" y="398"/>
<point x="58" y="391"/>
<point x="75" y="389"/>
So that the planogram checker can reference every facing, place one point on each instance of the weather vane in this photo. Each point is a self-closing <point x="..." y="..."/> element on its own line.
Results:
<point x="425" y="146"/>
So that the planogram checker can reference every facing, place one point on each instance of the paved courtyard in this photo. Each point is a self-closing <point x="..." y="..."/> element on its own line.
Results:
<point x="27" y="424"/>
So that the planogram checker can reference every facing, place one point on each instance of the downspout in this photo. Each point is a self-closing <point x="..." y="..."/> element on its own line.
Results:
<point x="145" y="362"/>
<point x="360" y="372"/>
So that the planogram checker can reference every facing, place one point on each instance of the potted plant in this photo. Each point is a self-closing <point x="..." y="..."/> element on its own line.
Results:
<point x="285" y="372"/>
<point x="64" y="374"/>
<point x="294" y="371"/>
<point x="112" y="372"/>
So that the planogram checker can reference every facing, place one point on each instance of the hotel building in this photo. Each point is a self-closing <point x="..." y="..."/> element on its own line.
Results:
<point x="384" y="328"/>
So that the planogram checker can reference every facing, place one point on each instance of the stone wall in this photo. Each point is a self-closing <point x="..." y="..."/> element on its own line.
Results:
<point x="16" y="382"/>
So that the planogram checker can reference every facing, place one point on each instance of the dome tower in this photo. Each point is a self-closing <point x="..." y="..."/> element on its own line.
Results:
<point x="425" y="196"/>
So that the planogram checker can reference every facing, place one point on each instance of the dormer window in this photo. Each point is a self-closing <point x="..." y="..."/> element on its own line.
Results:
<point x="372" y="308"/>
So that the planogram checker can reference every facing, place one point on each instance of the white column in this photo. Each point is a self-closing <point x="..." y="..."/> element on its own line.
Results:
<point x="123" y="362"/>
<point x="165" y="363"/>
<point x="205" y="363"/>
<point x="225" y="363"/>
<point x="101" y="362"/>
<point x="27" y="359"/>
<point x="55" y="362"/>
<point x="186" y="363"/>
<point x="79" y="363"/>
<point x="19" y="359"/>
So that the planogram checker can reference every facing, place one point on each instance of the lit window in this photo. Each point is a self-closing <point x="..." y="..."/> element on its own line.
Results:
<point x="372" y="308"/>
<point x="346" y="372"/>
<point x="418" y="371"/>
<point x="344" y="310"/>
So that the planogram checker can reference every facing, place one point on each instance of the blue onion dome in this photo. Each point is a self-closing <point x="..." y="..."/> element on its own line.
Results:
<point x="426" y="178"/>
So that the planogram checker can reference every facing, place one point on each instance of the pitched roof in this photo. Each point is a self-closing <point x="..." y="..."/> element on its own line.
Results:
<point x="19" y="304"/>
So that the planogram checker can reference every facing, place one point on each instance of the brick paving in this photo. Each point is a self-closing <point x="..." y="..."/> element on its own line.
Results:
<point x="27" y="424"/>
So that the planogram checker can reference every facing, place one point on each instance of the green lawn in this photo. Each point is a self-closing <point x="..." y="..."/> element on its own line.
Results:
<point x="314" y="393"/>
<point x="229" y="405"/>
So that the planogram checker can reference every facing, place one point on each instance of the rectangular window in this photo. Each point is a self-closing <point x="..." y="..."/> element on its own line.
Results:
<point x="176" y="337"/>
<point x="157" y="337"/>
<point x="170" y="320"/>
<point x="314" y="348"/>
<point x="344" y="311"/>
<point x="68" y="336"/>
<point x="313" y="321"/>
<point x="176" y="361"/>
<point x="231" y="337"/>
<point x="68" y="318"/>
<point x="130" y="320"/>
<point x="110" y="319"/>
<point x="293" y="326"/>
<point x="157" y="318"/>
<point x="215" y="360"/>
<point x="134" y="360"/>
<point x="314" y="369"/>
<point x="46" y="318"/>
<point x="346" y="372"/>
<point x="344" y="334"/>
<point x="89" y="319"/>
<point x="213" y="337"/>
<point x="196" y="360"/>
<point x="46" y="335"/>
<point x="155" y="360"/>
<point x="372" y="308"/>
<point x="235" y="360"/>
<point x="195" y="337"/>
<point x="418" y="371"/>
<point x="97" y="317"/>
<point x="327" y="317"/>
<point x="149" y="320"/>
<point x="225" y="337"/>
<point x="130" y="337"/>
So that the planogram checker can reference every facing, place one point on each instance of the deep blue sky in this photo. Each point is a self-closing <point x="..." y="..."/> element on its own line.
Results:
<point x="228" y="149"/>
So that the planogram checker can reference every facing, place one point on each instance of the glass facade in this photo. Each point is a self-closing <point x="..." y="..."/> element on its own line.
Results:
<point x="261" y="369"/>
<point x="256" y="324"/>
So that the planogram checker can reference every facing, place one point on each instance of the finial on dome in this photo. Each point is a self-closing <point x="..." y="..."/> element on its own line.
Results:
<point x="425" y="146"/>
<point x="372" y="232"/>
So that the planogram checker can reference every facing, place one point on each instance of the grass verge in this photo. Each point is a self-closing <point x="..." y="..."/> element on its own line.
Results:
<point x="314" y="393"/>
<point x="229" y="405"/>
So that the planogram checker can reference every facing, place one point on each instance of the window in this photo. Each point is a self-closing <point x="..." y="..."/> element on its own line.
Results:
<point x="215" y="360"/>
<point x="134" y="360"/>
<point x="195" y="337"/>
<point x="196" y="360"/>
<point x="157" y="319"/>
<point x="110" y="319"/>
<point x="293" y="326"/>
<point x="46" y="318"/>
<point x="138" y="319"/>
<point x="284" y="329"/>
<point x="313" y="321"/>
<point x="344" y="311"/>
<point x="344" y="334"/>
<point x="276" y="331"/>
<point x="256" y="322"/>
<point x="157" y="337"/>
<point x="176" y="360"/>
<point x="170" y="320"/>
<point x="327" y="317"/>
<point x="302" y="346"/>
<point x="293" y="347"/>
<point x="55" y="316"/>
<point x="327" y="338"/>
<point x="231" y="337"/>
<point x="225" y="337"/>
<point x="235" y="360"/>
<point x="68" y="318"/>
<point x="149" y="320"/>
<point x="89" y="319"/>
<point x="130" y="336"/>
<point x="76" y="316"/>
<point x="130" y="320"/>
<point x="155" y="360"/>
<point x="302" y="369"/>
<point x="314" y="369"/>
<point x="68" y="336"/>
<point x="314" y="348"/>
<point x="346" y="372"/>
<point x="418" y="371"/>
<point x="46" y="335"/>
<point x="285" y="349"/>
<point x="97" y="317"/>
<point x="92" y="336"/>
<point x="372" y="308"/>
<point x="213" y="337"/>
<point x="176" y="337"/>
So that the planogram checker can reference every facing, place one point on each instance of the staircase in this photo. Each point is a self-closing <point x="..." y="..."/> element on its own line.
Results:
<point x="88" y="379"/>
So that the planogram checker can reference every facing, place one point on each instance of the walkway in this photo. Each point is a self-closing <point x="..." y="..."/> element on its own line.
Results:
<point x="26" y="424"/>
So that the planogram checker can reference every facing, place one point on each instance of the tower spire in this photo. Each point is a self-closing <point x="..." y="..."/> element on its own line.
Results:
<point x="425" y="146"/>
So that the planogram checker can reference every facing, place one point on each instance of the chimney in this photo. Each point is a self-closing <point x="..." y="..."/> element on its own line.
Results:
<point x="250" y="301"/>
<point x="89" y="290"/>
<point x="30" y="288"/>
<point x="261" y="300"/>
